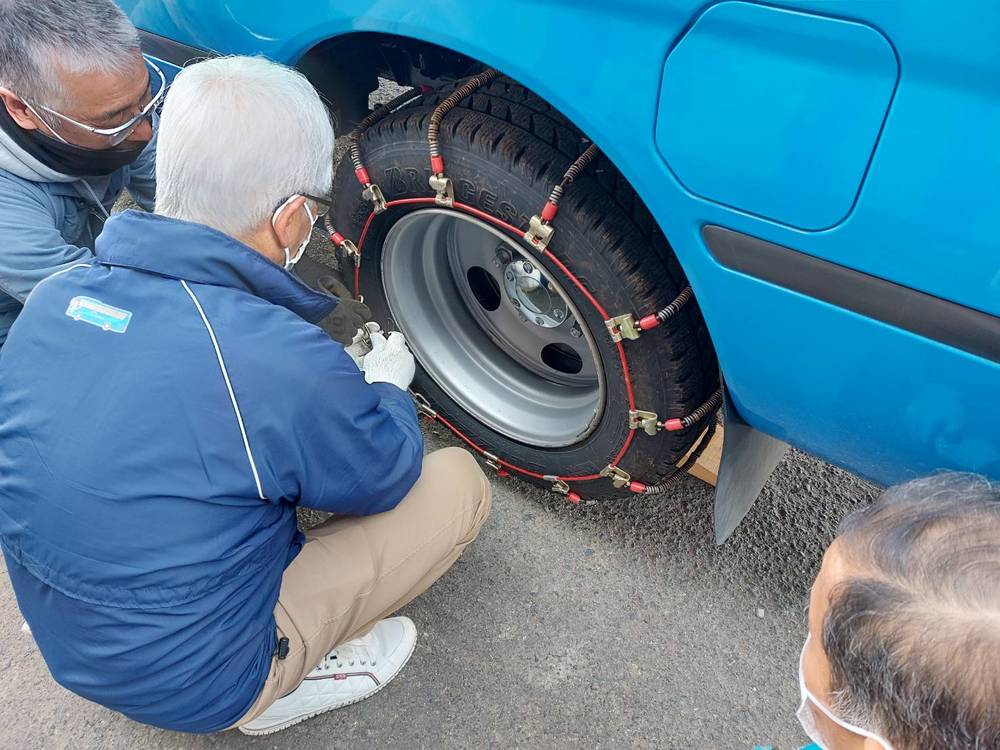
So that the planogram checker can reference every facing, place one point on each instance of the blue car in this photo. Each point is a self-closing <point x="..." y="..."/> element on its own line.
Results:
<point x="597" y="222"/>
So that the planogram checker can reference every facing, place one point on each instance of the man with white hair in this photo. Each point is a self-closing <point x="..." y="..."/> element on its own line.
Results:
<point x="76" y="106"/>
<point x="164" y="410"/>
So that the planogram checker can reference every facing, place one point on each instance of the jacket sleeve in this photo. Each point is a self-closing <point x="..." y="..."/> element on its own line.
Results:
<point x="359" y="446"/>
<point x="31" y="247"/>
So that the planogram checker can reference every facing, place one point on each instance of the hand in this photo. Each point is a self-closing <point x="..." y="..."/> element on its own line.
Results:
<point x="358" y="349"/>
<point x="361" y="344"/>
<point x="390" y="361"/>
<point x="347" y="317"/>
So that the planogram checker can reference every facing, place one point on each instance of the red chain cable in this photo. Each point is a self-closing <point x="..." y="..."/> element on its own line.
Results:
<point x="569" y="275"/>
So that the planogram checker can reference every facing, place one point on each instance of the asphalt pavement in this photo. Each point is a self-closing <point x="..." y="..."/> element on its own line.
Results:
<point x="608" y="625"/>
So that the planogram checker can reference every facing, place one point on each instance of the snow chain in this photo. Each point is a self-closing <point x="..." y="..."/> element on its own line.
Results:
<point x="624" y="327"/>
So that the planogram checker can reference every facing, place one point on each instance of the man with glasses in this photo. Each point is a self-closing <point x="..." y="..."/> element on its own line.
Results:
<point x="78" y="100"/>
<point x="165" y="408"/>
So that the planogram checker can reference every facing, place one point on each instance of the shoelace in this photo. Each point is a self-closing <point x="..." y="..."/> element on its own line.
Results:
<point x="359" y="652"/>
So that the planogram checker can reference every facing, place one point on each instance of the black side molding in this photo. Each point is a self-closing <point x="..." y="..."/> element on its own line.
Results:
<point x="961" y="327"/>
<point x="170" y="51"/>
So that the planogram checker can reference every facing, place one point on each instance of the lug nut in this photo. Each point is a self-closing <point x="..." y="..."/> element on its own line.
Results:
<point x="503" y="254"/>
<point x="539" y="321"/>
<point x="557" y="314"/>
<point x="509" y="275"/>
<point x="515" y="303"/>
<point x="528" y="268"/>
<point x="575" y="332"/>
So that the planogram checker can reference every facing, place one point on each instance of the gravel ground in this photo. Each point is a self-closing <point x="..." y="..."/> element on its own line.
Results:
<point x="607" y="625"/>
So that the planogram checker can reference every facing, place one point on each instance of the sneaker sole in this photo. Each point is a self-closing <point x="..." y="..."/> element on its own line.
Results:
<point x="298" y="719"/>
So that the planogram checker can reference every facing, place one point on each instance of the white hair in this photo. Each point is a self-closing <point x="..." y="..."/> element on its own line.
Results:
<point x="39" y="38"/>
<point x="238" y="136"/>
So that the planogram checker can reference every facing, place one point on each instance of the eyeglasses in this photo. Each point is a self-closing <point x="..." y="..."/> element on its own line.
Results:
<point x="325" y="204"/>
<point x="118" y="134"/>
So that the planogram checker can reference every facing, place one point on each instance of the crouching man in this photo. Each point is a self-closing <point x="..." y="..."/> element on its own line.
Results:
<point x="164" y="410"/>
<point x="903" y="651"/>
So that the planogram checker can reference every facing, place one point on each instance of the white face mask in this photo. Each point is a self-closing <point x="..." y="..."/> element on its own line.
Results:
<point x="291" y="260"/>
<point x="810" y="704"/>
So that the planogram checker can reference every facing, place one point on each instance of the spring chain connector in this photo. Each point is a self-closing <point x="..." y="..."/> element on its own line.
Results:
<point x="423" y="406"/>
<point x="540" y="229"/>
<point x="444" y="190"/>
<point x="373" y="194"/>
<point x="493" y="461"/>
<point x="341" y="242"/>
<point x="623" y="327"/>
<point x="644" y="420"/>
<point x="560" y="487"/>
<point x="618" y="476"/>
<point x="621" y="478"/>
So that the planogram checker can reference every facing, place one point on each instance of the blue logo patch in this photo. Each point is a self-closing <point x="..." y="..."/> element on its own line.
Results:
<point x="95" y="312"/>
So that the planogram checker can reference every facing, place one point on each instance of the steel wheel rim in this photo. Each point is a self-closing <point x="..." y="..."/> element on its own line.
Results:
<point x="516" y="372"/>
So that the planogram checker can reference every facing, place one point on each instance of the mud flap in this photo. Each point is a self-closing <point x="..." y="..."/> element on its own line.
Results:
<point x="748" y="458"/>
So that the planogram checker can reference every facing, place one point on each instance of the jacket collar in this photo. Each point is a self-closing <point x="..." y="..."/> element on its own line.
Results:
<point x="16" y="160"/>
<point x="193" y="252"/>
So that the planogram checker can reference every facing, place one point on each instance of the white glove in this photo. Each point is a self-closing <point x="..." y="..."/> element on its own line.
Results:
<point x="389" y="361"/>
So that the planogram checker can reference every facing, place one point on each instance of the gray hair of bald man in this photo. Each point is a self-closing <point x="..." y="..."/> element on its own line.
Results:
<point x="40" y="38"/>
<point x="238" y="136"/>
<point x="913" y="633"/>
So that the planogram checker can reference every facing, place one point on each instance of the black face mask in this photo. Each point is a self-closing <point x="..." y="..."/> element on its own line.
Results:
<point x="65" y="158"/>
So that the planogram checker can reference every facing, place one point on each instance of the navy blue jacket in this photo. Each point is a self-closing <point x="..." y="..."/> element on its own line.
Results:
<point x="163" y="410"/>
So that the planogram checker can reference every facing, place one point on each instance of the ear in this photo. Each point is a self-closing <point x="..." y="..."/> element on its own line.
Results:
<point x="18" y="110"/>
<point x="290" y="225"/>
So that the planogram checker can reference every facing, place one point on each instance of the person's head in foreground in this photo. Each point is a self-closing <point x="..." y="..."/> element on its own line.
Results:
<point x="904" y="623"/>
<point x="166" y="408"/>
<point x="77" y="94"/>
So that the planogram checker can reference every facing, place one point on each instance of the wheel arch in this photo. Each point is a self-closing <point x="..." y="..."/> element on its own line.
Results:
<point x="371" y="45"/>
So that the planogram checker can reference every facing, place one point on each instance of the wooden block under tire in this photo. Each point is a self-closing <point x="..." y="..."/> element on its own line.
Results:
<point x="706" y="468"/>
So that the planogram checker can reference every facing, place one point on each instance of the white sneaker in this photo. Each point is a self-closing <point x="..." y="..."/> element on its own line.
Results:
<point x="350" y="673"/>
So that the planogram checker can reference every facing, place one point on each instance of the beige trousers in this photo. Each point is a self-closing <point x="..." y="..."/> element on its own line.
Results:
<point x="353" y="572"/>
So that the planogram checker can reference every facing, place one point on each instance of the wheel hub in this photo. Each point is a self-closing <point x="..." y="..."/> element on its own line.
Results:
<point x="530" y="292"/>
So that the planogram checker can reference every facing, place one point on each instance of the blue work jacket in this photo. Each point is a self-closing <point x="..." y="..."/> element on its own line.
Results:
<point x="163" y="410"/>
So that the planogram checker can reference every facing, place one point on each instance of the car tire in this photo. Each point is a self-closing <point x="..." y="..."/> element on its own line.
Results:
<point x="504" y="149"/>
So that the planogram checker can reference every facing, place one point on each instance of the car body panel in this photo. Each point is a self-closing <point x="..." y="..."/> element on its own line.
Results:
<point x="869" y="396"/>
<point x="727" y="138"/>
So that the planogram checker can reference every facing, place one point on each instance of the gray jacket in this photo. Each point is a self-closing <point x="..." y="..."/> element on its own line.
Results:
<point x="48" y="220"/>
